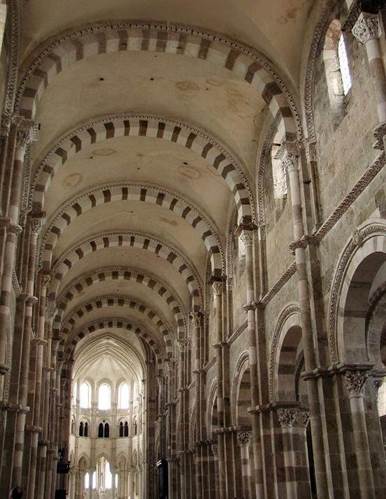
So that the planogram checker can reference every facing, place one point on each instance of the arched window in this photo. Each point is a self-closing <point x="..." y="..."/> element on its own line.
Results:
<point x="123" y="396"/>
<point x="104" y="397"/>
<point x="336" y="65"/>
<point x="121" y="429"/>
<point x="87" y="481"/>
<point x="86" y="429"/>
<point x="344" y="65"/>
<point x="85" y="396"/>
<point x="106" y="432"/>
<point x="100" y="430"/>
<point x="94" y="480"/>
<point x="108" y="477"/>
<point x="126" y="429"/>
<point x="81" y="429"/>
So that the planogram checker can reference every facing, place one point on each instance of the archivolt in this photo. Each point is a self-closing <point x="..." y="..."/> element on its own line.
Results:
<point x="157" y="127"/>
<point x="113" y="301"/>
<point x="102" y="275"/>
<point x="135" y="192"/>
<point x="127" y="239"/>
<point x="59" y="52"/>
<point x="110" y="323"/>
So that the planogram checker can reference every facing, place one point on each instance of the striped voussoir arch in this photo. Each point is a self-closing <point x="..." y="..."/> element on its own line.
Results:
<point x="134" y="192"/>
<point x="150" y="126"/>
<point x="126" y="240"/>
<point x="79" y="285"/>
<point x="58" y="53"/>
<point x="115" y="301"/>
<point x="110" y="323"/>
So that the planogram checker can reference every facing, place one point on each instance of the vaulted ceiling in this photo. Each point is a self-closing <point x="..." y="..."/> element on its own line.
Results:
<point x="147" y="147"/>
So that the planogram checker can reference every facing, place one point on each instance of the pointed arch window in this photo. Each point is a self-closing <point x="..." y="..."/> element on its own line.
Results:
<point x="85" y="396"/>
<point x="123" y="396"/>
<point x="87" y="481"/>
<point x="104" y="397"/>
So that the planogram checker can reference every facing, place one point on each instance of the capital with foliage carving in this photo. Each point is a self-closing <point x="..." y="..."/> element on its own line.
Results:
<point x="246" y="237"/>
<point x="27" y="131"/>
<point x="367" y="27"/>
<point x="287" y="416"/>
<point x="244" y="437"/>
<point x="288" y="154"/>
<point x="354" y="382"/>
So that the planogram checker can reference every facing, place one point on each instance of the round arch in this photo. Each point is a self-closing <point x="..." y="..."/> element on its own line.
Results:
<point x="94" y="326"/>
<point x="57" y="53"/>
<point x="99" y="130"/>
<point x="284" y="346"/>
<point x="101" y="275"/>
<point x="135" y="192"/>
<point x="114" y="301"/>
<point x="349" y="297"/>
<point x="126" y="239"/>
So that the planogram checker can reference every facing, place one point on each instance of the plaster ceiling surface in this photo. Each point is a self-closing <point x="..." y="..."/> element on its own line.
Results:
<point x="141" y="260"/>
<point x="139" y="218"/>
<point x="136" y="160"/>
<point x="179" y="87"/>
<point x="275" y="27"/>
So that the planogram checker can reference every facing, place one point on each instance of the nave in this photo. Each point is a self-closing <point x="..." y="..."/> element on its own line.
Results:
<point x="192" y="249"/>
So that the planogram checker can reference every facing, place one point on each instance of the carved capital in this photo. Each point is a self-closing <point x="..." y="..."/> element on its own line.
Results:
<point x="302" y="417"/>
<point x="26" y="131"/>
<point x="45" y="277"/>
<point x="246" y="237"/>
<point x="287" y="417"/>
<point x="36" y="223"/>
<point x="244" y="437"/>
<point x="288" y="153"/>
<point x="354" y="382"/>
<point x="367" y="27"/>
